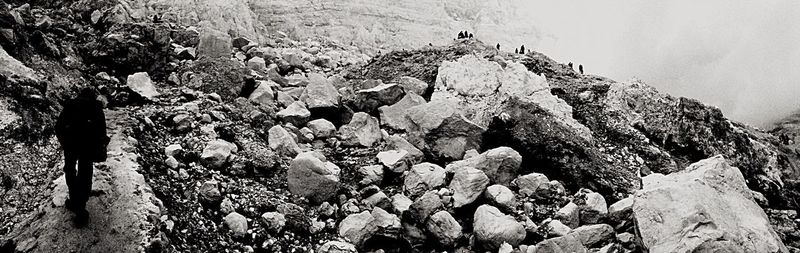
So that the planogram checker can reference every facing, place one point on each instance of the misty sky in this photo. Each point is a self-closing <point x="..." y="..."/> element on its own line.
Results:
<point x="741" y="56"/>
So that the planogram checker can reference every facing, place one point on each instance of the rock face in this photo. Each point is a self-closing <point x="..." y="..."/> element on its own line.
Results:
<point x="363" y="130"/>
<point x="313" y="178"/>
<point x="141" y="84"/>
<point x="707" y="205"/>
<point x="493" y="228"/>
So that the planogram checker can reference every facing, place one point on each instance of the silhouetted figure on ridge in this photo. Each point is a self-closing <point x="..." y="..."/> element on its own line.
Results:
<point x="460" y="35"/>
<point x="522" y="49"/>
<point x="498" y="46"/>
<point x="570" y="66"/>
<point x="516" y="50"/>
<point x="580" y="68"/>
<point x="81" y="130"/>
<point x="470" y="36"/>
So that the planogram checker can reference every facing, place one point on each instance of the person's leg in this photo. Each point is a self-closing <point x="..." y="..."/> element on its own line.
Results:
<point x="85" y="171"/>
<point x="70" y="175"/>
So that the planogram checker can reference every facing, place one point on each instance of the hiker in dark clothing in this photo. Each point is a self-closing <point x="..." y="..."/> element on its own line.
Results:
<point x="460" y="35"/>
<point x="580" y="68"/>
<point x="498" y="46"/>
<point x="470" y="36"/>
<point x="522" y="49"/>
<point x="570" y="66"/>
<point x="81" y="130"/>
<point x="516" y="50"/>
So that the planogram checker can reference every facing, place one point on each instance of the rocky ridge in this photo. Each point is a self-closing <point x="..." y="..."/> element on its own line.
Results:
<point x="285" y="146"/>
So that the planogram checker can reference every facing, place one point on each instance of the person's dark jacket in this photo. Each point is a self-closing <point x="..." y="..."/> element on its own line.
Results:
<point x="81" y="128"/>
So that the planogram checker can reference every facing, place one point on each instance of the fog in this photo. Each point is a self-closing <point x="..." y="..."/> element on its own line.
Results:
<point x="741" y="56"/>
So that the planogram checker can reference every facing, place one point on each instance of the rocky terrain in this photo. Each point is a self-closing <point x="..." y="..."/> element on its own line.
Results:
<point x="252" y="141"/>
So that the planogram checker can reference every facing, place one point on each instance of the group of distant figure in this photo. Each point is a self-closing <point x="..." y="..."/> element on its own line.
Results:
<point x="520" y="50"/>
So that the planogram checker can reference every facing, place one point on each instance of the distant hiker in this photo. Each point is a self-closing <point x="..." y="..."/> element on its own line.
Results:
<point x="81" y="130"/>
<point x="460" y="35"/>
<point x="430" y="44"/>
<point x="516" y="50"/>
<point x="522" y="49"/>
<point x="580" y="68"/>
<point x="570" y="66"/>
<point x="156" y="18"/>
<point x="470" y="36"/>
<point x="498" y="46"/>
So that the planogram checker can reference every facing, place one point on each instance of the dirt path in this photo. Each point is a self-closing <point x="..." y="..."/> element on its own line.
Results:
<point x="122" y="213"/>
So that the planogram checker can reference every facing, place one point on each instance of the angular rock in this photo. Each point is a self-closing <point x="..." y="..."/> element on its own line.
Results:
<point x="396" y="142"/>
<point x="555" y="228"/>
<point x="468" y="184"/>
<point x="337" y="247"/>
<point x="622" y="211"/>
<point x="394" y="160"/>
<point x="257" y="64"/>
<point x="240" y="42"/>
<point x="282" y="141"/>
<point x="394" y="116"/>
<point x="214" y="44"/>
<point x="594" y="235"/>
<point x="456" y="135"/>
<point x="528" y="184"/>
<point x="372" y="174"/>
<point x="423" y="177"/>
<point x="363" y="130"/>
<point x="320" y="93"/>
<point x="358" y="228"/>
<point x="499" y="164"/>
<point x="296" y="113"/>
<point x="444" y="228"/>
<point x="209" y="192"/>
<point x="424" y="206"/>
<point x="273" y="221"/>
<point x="492" y="228"/>
<point x="237" y="223"/>
<point x="412" y="85"/>
<point x="321" y="128"/>
<point x="707" y="205"/>
<point x="263" y="94"/>
<point x="310" y="177"/>
<point x="141" y="84"/>
<point x="401" y="203"/>
<point x="592" y="205"/>
<point x="385" y="94"/>
<point x="500" y="196"/>
<point x="216" y="152"/>
<point x="568" y="243"/>
<point x="569" y="215"/>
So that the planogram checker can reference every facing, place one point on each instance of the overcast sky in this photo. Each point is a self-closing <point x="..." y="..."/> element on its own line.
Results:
<point x="741" y="56"/>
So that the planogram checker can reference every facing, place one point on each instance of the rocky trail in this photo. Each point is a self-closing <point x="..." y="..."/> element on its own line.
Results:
<point x="123" y="210"/>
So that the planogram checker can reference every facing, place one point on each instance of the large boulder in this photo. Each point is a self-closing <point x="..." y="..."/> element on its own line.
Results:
<point x="500" y="164"/>
<point x="363" y="130"/>
<point x="413" y="85"/>
<point x="313" y="178"/>
<point x="321" y="128"/>
<point x="142" y="84"/>
<point x="214" y="44"/>
<point x="492" y="228"/>
<point x="394" y="116"/>
<point x="467" y="185"/>
<point x="216" y="153"/>
<point x="451" y="140"/>
<point x="263" y="94"/>
<point x="237" y="223"/>
<point x="706" y="206"/>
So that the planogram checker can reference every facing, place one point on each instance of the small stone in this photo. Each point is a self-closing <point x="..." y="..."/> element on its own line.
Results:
<point x="173" y="149"/>
<point x="424" y="206"/>
<point x="385" y="94"/>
